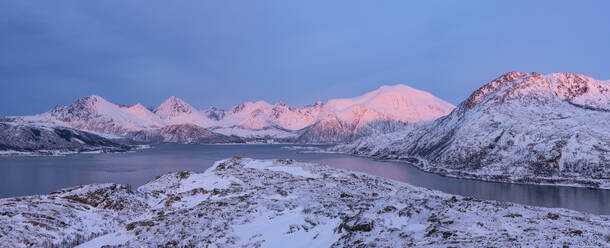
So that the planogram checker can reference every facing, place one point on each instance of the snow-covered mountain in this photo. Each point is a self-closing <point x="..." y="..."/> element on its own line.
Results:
<point x="340" y="119"/>
<point x="96" y="114"/>
<point x="396" y="102"/>
<point x="336" y="121"/>
<point x="263" y="120"/>
<point x="520" y="127"/>
<point x="176" y="111"/>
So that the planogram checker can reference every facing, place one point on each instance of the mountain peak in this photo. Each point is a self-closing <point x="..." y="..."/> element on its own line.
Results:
<point x="175" y="99"/>
<point x="394" y="88"/>
<point x="176" y="111"/>
<point x="173" y="106"/>
<point x="94" y="96"/>
<point x="400" y="89"/>
<point x="480" y="94"/>
<point x="250" y="106"/>
<point x="398" y="102"/>
<point x="576" y="89"/>
<point x="386" y="92"/>
<point x="89" y="104"/>
<point x="510" y="76"/>
<point x="261" y="103"/>
<point x="138" y="106"/>
<point x="93" y="99"/>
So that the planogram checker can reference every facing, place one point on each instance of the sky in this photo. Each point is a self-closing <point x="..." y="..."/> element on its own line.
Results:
<point x="222" y="53"/>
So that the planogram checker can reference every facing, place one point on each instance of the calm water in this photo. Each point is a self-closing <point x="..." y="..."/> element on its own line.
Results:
<point x="38" y="175"/>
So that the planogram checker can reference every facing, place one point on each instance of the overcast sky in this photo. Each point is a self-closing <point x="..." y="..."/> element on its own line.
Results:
<point x="222" y="53"/>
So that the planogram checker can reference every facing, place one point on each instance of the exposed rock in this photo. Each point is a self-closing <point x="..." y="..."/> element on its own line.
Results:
<point x="182" y="134"/>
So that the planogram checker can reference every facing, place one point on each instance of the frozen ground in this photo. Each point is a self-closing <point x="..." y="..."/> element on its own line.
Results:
<point x="242" y="202"/>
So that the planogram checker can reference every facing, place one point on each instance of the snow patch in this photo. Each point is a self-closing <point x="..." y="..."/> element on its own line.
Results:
<point x="275" y="166"/>
<point x="111" y="239"/>
<point x="278" y="231"/>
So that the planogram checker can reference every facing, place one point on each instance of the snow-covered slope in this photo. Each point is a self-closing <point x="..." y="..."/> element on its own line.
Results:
<point x="336" y="121"/>
<point x="381" y="127"/>
<point x="176" y="111"/>
<point x="340" y="119"/>
<point x="248" y="115"/>
<point x="36" y="139"/>
<point x="182" y="134"/>
<point x="295" y="118"/>
<point x="396" y="102"/>
<point x="262" y="120"/>
<point x="243" y="202"/>
<point x="521" y="127"/>
<point x="96" y="114"/>
<point x="268" y="133"/>
<point x="144" y="117"/>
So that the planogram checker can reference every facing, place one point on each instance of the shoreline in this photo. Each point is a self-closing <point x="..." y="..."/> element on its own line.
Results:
<point x="586" y="183"/>
<point x="61" y="153"/>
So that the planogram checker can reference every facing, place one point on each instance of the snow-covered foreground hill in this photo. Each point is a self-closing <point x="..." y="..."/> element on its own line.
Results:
<point x="278" y="203"/>
<point x="521" y="127"/>
<point x="337" y="120"/>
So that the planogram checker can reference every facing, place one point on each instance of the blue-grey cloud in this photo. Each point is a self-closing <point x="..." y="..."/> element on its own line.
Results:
<point x="225" y="52"/>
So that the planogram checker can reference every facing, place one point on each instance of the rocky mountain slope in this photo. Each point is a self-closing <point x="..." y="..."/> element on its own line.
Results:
<point x="336" y="121"/>
<point x="520" y="127"/>
<point x="182" y="134"/>
<point x="243" y="202"/>
<point x="19" y="139"/>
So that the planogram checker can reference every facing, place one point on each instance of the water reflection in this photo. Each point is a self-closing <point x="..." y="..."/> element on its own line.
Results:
<point x="39" y="175"/>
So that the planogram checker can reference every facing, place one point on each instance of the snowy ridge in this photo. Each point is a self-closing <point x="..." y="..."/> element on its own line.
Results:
<point x="274" y="203"/>
<point x="144" y="116"/>
<point x="176" y="111"/>
<point x="520" y="127"/>
<point x="337" y="121"/>
<point x="96" y="114"/>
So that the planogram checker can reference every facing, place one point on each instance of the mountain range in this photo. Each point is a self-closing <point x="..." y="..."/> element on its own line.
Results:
<point x="520" y="127"/>
<point x="175" y="120"/>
